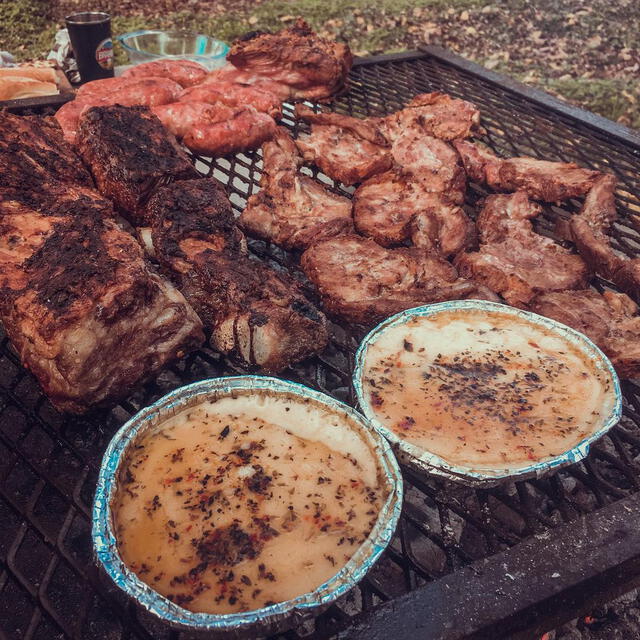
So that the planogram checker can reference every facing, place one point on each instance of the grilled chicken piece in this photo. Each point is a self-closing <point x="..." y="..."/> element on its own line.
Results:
<point x="84" y="311"/>
<point x="434" y="114"/>
<point x="610" y="319"/>
<point x="539" y="179"/>
<point x="292" y="210"/>
<point x="346" y="149"/>
<point x="313" y="67"/>
<point x="185" y="72"/>
<point x="391" y="208"/>
<point x="127" y="92"/>
<point x="216" y="129"/>
<point x="130" y="154"/>
<point x="515" y="261"/>
<point x="360" y="281"/>
<point x="234" y="95"/>
<point x="229" y="73"/>
<point x="32" y="148"/>
<point x="588" y="231"/>
<point x="255" y="314"/>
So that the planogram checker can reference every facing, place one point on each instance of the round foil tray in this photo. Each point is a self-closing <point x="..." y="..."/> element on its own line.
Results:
<point x="280" y="615"/>
<point x="427" y="462"/>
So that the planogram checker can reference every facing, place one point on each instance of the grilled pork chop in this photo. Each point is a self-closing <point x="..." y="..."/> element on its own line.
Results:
<point x="255" y="314"/>
<point x="360" y="281"/>
<point x="588" y="230"/>
<point x="185" y="72"/>
<point x="216" y="129"/>
<point x="513" y="259"/>
<point x="392" y="208"/>
<point x="346" y="149"/>
<point x="234" y="95"/>
<point x="292" y="210"/>
<point x="539" y="179"/>
<point x="130" y="154"/>
<point x="84" y="311"/>
<point x="31" y="147"/>
<point x="229" y="73"/>
<point x="434" y="114"/>
<point x="610" y="319"/>
<point x="313" y="67"/>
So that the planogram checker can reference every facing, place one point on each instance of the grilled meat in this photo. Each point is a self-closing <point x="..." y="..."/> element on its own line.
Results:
<point x="216" y="129"/>
<point x="185" y="72"/>
<point x="78" y="301"/>
<point x="391" y="208"/>
<point x="126" y="92"/>
<point x="229" y="73"/>
<point x="32" y="148"/>
<point x="610" y="319"/>
<point x="539" y="179"/>
<point x="313" y="67"/>
<point x="130" y="154"/>
<point x="588" y="230"/>
<point x="234" y="95"/>
<point x="434" y="114"/>
<point x="347" y="149"/>
<point x="292" y="210"/>
<point x="255" y="314"/>
<point x="515" y="261"/>
<point x="360" y="281"/>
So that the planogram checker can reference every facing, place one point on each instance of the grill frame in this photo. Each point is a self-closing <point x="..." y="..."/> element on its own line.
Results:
<point x="48" y="462"/>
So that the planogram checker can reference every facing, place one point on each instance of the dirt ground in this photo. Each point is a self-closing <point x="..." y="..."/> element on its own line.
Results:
<point x="587" y="51"/>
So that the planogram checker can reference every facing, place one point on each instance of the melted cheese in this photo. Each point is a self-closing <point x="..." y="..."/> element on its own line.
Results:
<point x="246" y="501"/>
<point x="483" y="391"/>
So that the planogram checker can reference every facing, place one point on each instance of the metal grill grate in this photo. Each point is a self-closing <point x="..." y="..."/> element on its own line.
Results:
<point x="48" y="462"/>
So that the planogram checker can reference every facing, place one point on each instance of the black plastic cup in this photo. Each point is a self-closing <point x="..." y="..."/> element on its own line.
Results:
<point x="90" y="35"/>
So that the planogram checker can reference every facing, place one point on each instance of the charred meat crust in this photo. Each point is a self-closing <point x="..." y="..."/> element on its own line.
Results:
<point x="130" y="155"/>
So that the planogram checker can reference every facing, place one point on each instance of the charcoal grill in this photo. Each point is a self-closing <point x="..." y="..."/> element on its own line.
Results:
<point x="512" y="561"/>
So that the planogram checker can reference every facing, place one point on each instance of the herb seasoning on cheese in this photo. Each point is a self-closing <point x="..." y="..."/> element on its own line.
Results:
<point x="238" y="503"/>
<point x="484" y="390"/>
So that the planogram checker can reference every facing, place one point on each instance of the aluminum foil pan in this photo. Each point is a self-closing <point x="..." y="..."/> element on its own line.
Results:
<point x="268" y="619"/>
<point x="433" y="464"/>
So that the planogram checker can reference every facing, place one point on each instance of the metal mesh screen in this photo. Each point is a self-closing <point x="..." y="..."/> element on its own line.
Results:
<point x="48" y="462"/>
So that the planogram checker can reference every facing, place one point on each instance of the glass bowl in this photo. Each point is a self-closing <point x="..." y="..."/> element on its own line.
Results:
<point x="148" y="45"/>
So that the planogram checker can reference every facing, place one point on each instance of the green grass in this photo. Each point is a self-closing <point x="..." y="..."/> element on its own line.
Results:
<point x="26" y="27"/>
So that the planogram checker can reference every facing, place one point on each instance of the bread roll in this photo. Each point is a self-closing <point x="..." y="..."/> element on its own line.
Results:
<point x="43" y="74"/>
<point x="16" y="88"/>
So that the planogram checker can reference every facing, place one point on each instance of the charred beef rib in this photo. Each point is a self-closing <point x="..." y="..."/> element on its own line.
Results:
<point x="314" y="68"/>
<point x="255" y="314"/>
<point x="539" y="179"/>
<point x="513" y="259"/>
<point x="84" y="311"/>
<point x="130" y="155"/>
<point x="346" y="149"/>
<point x="360" y="281"/>
<point x="292" y="210"/>
<point x="610" y="319"/>
<point x="588" y="231"/>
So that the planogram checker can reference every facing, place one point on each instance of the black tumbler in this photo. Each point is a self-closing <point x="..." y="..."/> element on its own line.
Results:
<point x="90" y="35"/>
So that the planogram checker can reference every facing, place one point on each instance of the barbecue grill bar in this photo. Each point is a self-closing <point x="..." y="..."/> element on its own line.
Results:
<point x="454" y="546"/>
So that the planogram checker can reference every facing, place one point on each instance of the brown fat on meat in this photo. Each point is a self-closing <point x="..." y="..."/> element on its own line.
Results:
<point x="539" y="179"/>
<point x="33" y="150"/>
<point x="256" y="315"/>
<point x="610" y="319"/>
<point x="130" y="155"/>
<point x="78" y="301"/>
<point x="513" y="260"/>
<point x="360" y="281"/>
<point x="292" y="210"/>
<point x="313" y="67"/>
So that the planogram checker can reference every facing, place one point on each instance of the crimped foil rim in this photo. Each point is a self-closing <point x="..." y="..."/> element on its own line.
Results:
<point x="104" y="541"/>
<point x="433" y="464"/>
